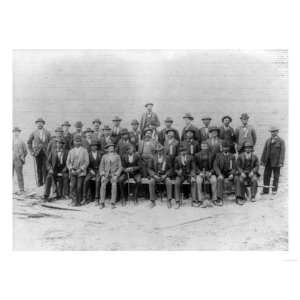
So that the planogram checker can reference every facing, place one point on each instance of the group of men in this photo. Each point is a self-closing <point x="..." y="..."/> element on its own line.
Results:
<point x="79" y="165"/>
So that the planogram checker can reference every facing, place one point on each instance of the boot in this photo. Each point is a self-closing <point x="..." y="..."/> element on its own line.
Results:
<point x="101" y="205"/>
<point x="177" y="205"/>
<point x="206" y="203"/>
<point x="240" y="201"/>
<point x="113" y="206"/>
<point x="152" y="204"/>
<point x="169" y="203"/>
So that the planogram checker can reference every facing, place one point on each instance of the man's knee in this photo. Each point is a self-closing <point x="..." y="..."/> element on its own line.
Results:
<point x="199" y="179"/>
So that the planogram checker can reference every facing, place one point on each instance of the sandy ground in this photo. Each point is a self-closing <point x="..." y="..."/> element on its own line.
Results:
<point x="255" y="226"/>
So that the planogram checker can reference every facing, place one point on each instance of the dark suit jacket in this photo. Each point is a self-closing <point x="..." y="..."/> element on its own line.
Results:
<point x="162" y="135"/>
<point x="175" y="148"/>
<point x="135" y="164"/>
<point x="216" y="148"/>
<point x="135" y="137"/>
<point x="154" y="118"/>
<point x="94" y="163"/>
<point x="254" y="163"/>
<point x="219" y="164"/>
<point x="276" y="158"/>
<point x="203" y="136"/>
<point x="155" y="168"/>
<point x="199" y="162"/>
<point x="53" y="162"/>
<point x="184" y="170"/>
<point x="35" y="144"/>
<point x="122" y="146"/>
<point x="116" y="136"/>
<point x="196" y="136"/>
<point x="189" y="144"/>
<point x="103" y="143"/>
<point x="228" y="135"/>
<point x="68" y="141"/>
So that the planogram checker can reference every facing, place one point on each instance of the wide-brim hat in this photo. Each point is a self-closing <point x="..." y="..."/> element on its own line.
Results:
<point x="149" y="103"/>
<point x="16" y="129"/>
<point x="170" y="129"/>
<point x="148" y="129"/>
<point x="273" y="128"/>
<point x="60" y="140"/>
<point x="124" y="131"/>
<point x="182" y="148"/>
<point x="78" y="124"/>
<point x="248" y="145"/>
<point x="169" y="120"/>
<point x="109" y="145"/>
<point x="206" y="118"/>
<point x="134" y="122"/>
<point x="117" y="118"/>
<point x="214" y="128"/>
<point x="59" y="129"/>
<point x="226" y="117"/>
<point x="97" y="121"/>
<point x="191" y="130"/>
<point x="66" y="123"/>
<point x="188" y="116"/>
<point x="40" y="120"/>
<point x="89" y="130"/>
<point x="244" y="116"/>
<point x="106" y="127"/>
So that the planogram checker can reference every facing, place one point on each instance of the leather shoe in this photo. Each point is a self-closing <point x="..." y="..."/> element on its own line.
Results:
<point x="177" y="205"/>
<point x="169" y="203"/>
<point x="152" y="204"/>
<point x="101" y="205"/>
<point x="113" y="206"/>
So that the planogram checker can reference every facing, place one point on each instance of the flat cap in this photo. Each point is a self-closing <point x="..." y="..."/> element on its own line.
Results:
<point x="171" y="129"/>
<point x="97" y="121"/>
<point x="66" y="123"/>
<point x="117" y="118"/>
<point x="248" y="145"/>
<point x="40" y="120"/>
<point x="149" y="103"/>
<point x="78" y="124"/>
<point x="188" y="116"/>
<point x="244" y="116"/>
<point x="15" y="129"/>
<point x="169" y="120"/>
<point x="226" y="117"/>
<point x="88" y="130"/>
<point x="135" y="122"/>
<point x="273" y="128"/>
<point x="191" y="130"/>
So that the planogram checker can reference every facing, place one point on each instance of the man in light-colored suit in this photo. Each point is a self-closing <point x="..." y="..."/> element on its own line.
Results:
<point x="110" y="170"/>
<point x="149" y="117"/>
<point x="77" y="163"/>
<point x="37" y="144"/>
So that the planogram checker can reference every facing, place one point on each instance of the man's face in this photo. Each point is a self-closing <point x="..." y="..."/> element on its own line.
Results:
<point x="134" y="127"/>
<point x="116" y="123"/>
<point x="206" y="122"/>
<point x="226" y="121"/>
<point x="183" y="152"/>
<point x="189" y="135"/>
<point x="149" y="108"/>
<point x="78" y="129"/>
<point x="125" y="136"/>
<point x="96" y="126"/>
<point x="40" y="125"/>
<point x="204" y="147"/>
<point x="187" y="121"/>
<point x="148" y="134"/>
<point x="65" y="128"/>
<point x="110" y="149"/>
<point x="94" y="148"/>
<point x="214" y="133"/>
<point x="170" y="134"/>
<point x="168" y="124"/>
<point x="88" y="134"/>
<point x="274" y="134"/>
<point x="248" y="150"/>
<point x="77" y="143"/>
<point x="244" y="121"/>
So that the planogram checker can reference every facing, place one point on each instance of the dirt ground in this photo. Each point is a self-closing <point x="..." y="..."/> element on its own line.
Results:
<point x="262" y="225"/>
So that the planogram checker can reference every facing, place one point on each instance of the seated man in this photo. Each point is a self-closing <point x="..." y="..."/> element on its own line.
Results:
<point x="77" y="163"/>
<point x="247" y="166"/>
<point x="225" y="168"/>
<point x="57" y="170"/>
<point x="171" y="145"/>
<point x="123" y="143"/>
<point x="131" y="164"/>
<point x="190" y="142"/>
<point x="160" y="170"/>
<point x="110" y="170"/>
<point x="92" y="172"/>
<point x="204" y="170"/>
<point x="184" y="170"/>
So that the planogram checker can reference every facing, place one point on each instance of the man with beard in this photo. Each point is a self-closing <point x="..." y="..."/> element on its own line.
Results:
<point x="97" y="131"/>
<point x="163" y="136"/>
<point x="88" y="138"/>
<point x="123" y="143"/>
<point x="190" y="142"/>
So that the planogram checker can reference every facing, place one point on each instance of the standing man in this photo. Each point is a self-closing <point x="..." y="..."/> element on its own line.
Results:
<point x="77" y="163"/>
<point x="78" y="131"/>
<point x="110" y="170"/>
<point x="123" y="143"/>
<point x="190" y="142"/>
<point x="204" y="170"/>
<point x="147" y="117"/>
<point x="116" y="129"/>
<point x="184" y="170"/>
<point x="225" y="168"/>
<point x="160" y="171"/>
<point x="92" y="172"/>
<point x="227" y="133"/>
<point x="88" y="138"/>
<point x="245" y="133"/>
<point x="19" y="155"/>
<point x="146" y="150"/>
<point x="204" y="131"/>
<point x="135" y="133"/>
<point x="37" y="144"/>
<point x="171" y="145"/>
<point x="106" y="138"/>
<point x="163" y="136"/>
<point x="188" y="119"/>
<point x="247" y="166"/>
<point x="214" y="142"/>
<point x="97" y="131"/>
<point x="57" y="170"/>
<point x="53" y="142"/>
<point x="273" y="159"/>
<point x="67" y="135"/>
<point x="131" y="163"/>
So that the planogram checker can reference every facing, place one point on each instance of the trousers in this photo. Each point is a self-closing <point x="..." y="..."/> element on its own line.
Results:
<point x="178" y="185"/>
<point x="60" y="182"/>
<point x="153" y="182"/>
<point x="213" y="182"/>
<point x="123" y="178"/>
<point x="18" y="168"/>
<point x="41" y="162"/>
<point x="267" y="177"/>
<point x="241" y="184"/>
<point x="76" y="184"/>
<point x="87" y="184"/>
<point x="104" y="181"/>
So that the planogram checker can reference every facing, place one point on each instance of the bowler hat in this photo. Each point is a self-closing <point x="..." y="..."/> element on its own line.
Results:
<point x="106" y="127"/>
<point x="124" y="131"/>
<point x="214" y="128"/>
<point x="94" y="142"/>
<point x="59" y="129"/>
<point x="226" y="117"/>
<point x="159" y="147"/>
<point x="153" y="123"/>
<point x="248" y="145"/>
<point x="66" y="123"/>
<point x="15" y="129"/>
<point x="78" y="124"/>
<point x="88" y="130"/>
<point x="188" y="116"/>
<point x="40" y="120"/>
<point x="182" y="148"/>
<point x="169" y="120"/>
<point x="97" y="121"/>
<point x="109" y="145"/>
<point x="135" y="122"/>
<point x="148" y="129"/>
<point x="244" y="116"/>
<point x="60" y="140"/>
<point x="206" y="118"/>
<point x="77" y="138"/>
<point x="117" y="118"/>
<point x="149" y="103"/>
<point x="273" y="128"/>
<point x="170" y="129"/>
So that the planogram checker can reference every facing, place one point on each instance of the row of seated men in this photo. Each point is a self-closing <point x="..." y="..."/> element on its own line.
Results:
<point x="163" y="166"/>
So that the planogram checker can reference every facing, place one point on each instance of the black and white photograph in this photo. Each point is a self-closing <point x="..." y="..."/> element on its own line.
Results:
<point x="124" y="150"/>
